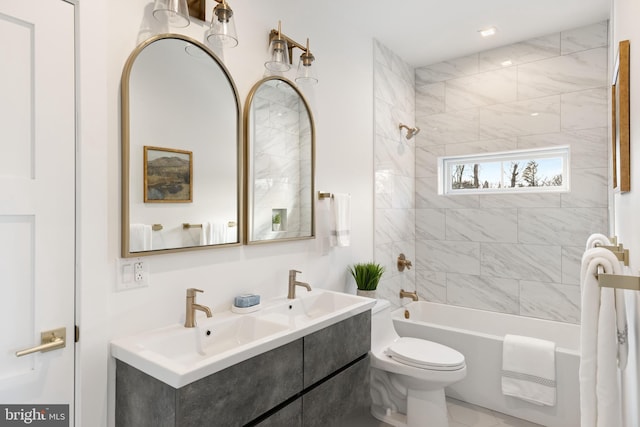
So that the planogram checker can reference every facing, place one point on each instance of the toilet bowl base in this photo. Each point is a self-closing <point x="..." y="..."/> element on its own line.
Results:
<point x="427" y="407"/>
<point x="424" y="407"/>
<point x="395" y="419"/>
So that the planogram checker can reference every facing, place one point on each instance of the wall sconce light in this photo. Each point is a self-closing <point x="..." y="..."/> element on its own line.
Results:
<point x="222" y="31"/>
<point x="306" y="73"/>
<point x="278" y="51"/>
<point x="280" y="56"/>
<point x="174" y="12"/>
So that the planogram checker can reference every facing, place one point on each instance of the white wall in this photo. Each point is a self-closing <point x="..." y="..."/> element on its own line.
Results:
<point x="342" y="107"/>
<point x="624" y="19"/>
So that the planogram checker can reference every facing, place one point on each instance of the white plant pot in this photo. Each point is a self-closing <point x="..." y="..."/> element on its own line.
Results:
<point x="368" y="294"/>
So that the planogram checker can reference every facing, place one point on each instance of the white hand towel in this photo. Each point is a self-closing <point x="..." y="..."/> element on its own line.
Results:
<point x="597" y="239"/>
<point x="529" y="369"/>
<point x="599" y="346"/>
<point x="205" y="232"/>
<point x="342" y="213"/>
<point x="140" y="237"/>
<point x="218" y="233"/>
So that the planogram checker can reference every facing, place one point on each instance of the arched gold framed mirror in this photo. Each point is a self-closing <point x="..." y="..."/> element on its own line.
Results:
<point x="182" y="152"/>
<point x="280" y="168"/>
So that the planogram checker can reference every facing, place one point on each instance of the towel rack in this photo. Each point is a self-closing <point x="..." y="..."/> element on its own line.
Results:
<point x="156" y="227"/>
<point x="187" y="226"/>
<point x="617" y="281"/>
<point x="324" y="195"/>
<point x="619" y="251"/>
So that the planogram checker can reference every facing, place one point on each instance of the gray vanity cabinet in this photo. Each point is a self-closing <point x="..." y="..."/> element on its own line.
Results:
<point x="231" y="397"/>
<point x="335" y="401"/>
<point x="329" y="349"/>
<point x="313" y="381"/>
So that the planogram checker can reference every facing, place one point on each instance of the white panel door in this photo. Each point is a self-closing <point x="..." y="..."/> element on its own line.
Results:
<point x="37" y="202"/>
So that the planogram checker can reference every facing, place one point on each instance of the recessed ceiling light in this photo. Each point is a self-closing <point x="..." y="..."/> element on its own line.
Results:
<point x="506" y="63"/>
<point x="487" y="32"/>
<point x="535" y="114"/>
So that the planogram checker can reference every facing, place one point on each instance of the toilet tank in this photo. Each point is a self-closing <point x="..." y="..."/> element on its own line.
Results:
<point x="382" y="331"/>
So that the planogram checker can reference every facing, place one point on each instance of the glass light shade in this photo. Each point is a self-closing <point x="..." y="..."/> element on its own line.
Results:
<point x="278" y="56"/>
<point x="174" y="12"/>
<point x="222" y="31"/>
<point x="306" y="71"/>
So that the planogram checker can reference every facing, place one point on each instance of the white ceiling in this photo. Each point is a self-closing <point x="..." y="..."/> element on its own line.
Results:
<point x="424" y="32"/>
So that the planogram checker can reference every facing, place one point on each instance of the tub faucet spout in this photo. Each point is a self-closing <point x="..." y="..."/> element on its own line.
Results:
<point x="190" y="318"/>
<point x="406" y="294"/>
<point x="293" y="283"/>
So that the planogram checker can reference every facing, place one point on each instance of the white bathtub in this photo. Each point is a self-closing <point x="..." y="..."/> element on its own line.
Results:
<point x="478" y="335"/>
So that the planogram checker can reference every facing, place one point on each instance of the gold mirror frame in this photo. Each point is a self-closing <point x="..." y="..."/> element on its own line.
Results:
<point x="125" y="154"/>
<point x="249" y="192"/>
<point x="620" y="121"/>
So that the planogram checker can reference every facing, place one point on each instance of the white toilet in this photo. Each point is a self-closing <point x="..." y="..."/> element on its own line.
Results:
<point x="408" y="375"/>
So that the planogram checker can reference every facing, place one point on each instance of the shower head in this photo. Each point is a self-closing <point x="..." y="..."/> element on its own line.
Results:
<point x="411" y="132"/>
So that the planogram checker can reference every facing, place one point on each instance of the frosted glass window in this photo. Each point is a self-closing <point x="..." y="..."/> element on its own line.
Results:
<point x="538" y="170"/>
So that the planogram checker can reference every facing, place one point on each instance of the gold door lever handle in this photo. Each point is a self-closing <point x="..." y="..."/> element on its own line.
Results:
<point x="49" y="340"/>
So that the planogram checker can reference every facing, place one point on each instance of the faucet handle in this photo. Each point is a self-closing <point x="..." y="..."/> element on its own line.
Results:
<point x="293" y="272"/>
<point x="191" y="292"/>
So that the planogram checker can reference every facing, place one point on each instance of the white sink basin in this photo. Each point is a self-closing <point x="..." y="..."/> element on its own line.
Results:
<point x="215" y="337"/>
<point x="178" y="356"/>
<point x="307" y="307"/>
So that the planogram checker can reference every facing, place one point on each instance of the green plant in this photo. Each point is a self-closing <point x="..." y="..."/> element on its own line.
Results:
<point x="276" y="219"/>
<point x="367" y="275"/>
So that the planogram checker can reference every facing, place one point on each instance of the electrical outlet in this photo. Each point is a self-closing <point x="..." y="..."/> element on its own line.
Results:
<point x="131" y="274"/>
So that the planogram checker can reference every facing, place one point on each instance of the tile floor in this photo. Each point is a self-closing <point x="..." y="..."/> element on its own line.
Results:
<point x="461" y="414"/>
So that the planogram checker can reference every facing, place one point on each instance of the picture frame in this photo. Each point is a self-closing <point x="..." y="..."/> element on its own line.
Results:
<point x="620" y="120"/>
<point x="168" y="175"/>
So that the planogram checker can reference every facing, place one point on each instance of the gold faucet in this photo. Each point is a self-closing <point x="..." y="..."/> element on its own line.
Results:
<point x="293" y="283"/>
<point x="190" y="320"/>
<point x="406" y="294"/>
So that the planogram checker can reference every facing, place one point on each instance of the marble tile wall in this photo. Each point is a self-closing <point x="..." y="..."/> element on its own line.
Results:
<point x="513" y="253"/>
<point x="395" y="192"/>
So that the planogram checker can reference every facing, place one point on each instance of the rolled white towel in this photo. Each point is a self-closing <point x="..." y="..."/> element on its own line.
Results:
<point x="602" y="318"/>
<point x="597" y="239"/>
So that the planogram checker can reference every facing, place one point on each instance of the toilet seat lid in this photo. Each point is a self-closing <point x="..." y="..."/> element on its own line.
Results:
<point x="425" y="354"/>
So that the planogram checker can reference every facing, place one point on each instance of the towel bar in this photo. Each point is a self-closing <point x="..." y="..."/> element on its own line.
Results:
<point x="619" y="251"/>
<point x="187" y="226"/>
<point x="617" y="281"/>
<point x="324" y="195"/>
<point x="156" y="227"/>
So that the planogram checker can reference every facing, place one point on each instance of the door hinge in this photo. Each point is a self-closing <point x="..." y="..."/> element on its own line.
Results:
<point x="77" y="333"/>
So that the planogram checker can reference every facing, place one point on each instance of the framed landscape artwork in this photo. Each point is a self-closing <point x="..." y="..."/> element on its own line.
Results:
<point x="620" y="121"/>
<point x="168" y="175"/>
